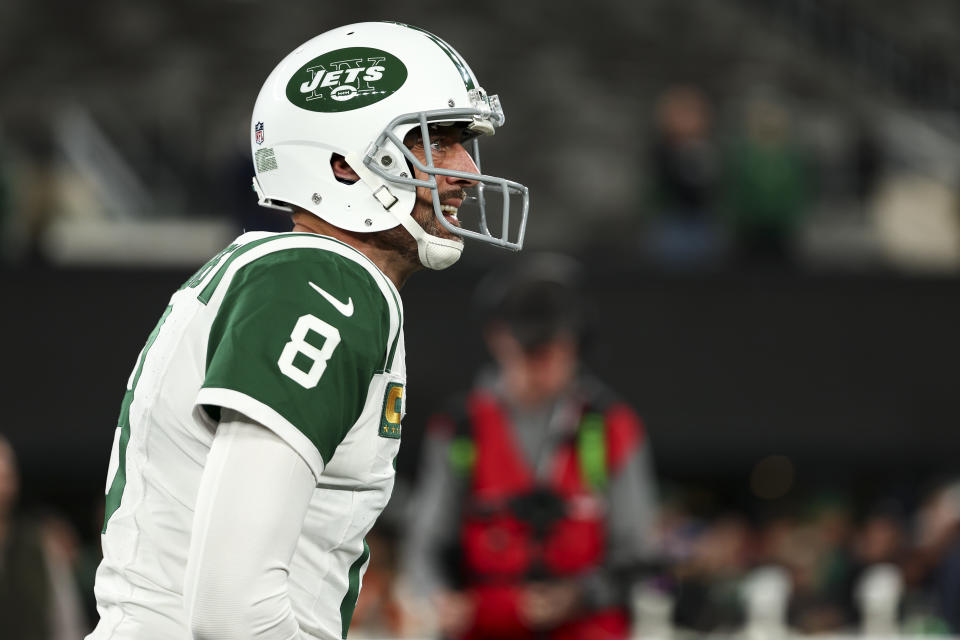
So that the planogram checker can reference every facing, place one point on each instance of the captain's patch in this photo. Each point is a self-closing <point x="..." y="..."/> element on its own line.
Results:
<point x="392" y="411"/>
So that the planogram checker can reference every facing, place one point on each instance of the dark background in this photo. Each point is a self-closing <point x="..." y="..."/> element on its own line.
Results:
<point x="852" y="378"/>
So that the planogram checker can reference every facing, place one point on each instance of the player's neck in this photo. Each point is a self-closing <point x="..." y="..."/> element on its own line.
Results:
<point x="392" y="265"/>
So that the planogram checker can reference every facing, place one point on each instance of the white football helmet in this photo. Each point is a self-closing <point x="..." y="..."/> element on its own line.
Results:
<point x="357" y="91"/>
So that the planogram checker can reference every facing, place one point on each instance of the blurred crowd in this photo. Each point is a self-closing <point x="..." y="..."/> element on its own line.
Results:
<point x="46" y="579"/>
<point x="840" y="567"/>
<point x="827" y="566"/>
<point x="760" y="180"/>
<point x="708" y="202"/>
<point x="758" y="186"/>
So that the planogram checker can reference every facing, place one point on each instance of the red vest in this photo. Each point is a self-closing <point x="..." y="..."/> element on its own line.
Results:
<point x="516" y="529"/>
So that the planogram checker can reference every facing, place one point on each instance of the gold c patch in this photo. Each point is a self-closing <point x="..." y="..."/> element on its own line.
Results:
<point x="392" y="411"/>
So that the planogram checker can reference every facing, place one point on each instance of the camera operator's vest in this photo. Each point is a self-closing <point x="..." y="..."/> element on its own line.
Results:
<point x="516" y="528"/>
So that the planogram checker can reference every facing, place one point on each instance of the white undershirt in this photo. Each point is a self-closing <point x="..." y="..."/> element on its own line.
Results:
<point x="250" y="509"/>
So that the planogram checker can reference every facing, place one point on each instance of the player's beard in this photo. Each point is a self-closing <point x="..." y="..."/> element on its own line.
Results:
<point x="426" y="217"/>
<point x="399" y="240"/>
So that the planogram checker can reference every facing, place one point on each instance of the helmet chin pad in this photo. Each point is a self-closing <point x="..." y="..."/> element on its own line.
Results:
<point x="435" y="253"/>
<point x="438" y="253"/>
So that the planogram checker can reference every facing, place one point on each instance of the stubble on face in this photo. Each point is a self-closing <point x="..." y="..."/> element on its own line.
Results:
<point x="399" y="240"/>
<point x="426" y="217"/>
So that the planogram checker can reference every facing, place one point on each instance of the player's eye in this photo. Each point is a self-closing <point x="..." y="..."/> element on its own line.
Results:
<point x="440" y="146"/>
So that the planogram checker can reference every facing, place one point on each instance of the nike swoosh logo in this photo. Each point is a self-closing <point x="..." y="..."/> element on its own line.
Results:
<point x="346" y="308"/>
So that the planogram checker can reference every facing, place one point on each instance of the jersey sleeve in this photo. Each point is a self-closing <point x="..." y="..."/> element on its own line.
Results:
<point x="294" y="344"/>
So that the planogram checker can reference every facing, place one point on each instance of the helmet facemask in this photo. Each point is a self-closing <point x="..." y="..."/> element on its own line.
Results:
<point x="482" y="119"/>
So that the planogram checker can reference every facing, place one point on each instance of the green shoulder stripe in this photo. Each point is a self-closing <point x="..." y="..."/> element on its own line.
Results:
<point x="115" y="493"/>
<point x="211" y="287"/>
<point x="388" y="363"/>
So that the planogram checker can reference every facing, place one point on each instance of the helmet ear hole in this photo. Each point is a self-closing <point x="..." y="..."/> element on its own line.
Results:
<point x="342" y="171"/>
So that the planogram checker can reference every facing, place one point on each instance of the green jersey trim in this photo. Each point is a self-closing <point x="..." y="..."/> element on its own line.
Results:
<point x="115" y="492"/>
<point x="208" y="291"/>
<point x="259" y="412"/>
<point x="202" y="272"/>
<point x="239" y="250"/>
<point x="349" y="603"/>
<point x="389" y="364"/>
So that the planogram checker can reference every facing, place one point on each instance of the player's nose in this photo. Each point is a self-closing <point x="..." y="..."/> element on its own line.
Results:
<point x="460" y="160"/>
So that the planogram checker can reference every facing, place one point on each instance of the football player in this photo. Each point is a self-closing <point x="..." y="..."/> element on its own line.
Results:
<point x="260" y="425"/>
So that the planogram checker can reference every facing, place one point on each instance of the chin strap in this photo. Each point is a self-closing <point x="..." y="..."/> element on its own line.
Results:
<point x="434" y="252"/>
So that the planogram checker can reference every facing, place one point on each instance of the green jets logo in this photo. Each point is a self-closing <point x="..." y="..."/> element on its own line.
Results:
<point x="346" y="79"/>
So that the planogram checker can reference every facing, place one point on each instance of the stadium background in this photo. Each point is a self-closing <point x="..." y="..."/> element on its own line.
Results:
<point x="811" y="358"/>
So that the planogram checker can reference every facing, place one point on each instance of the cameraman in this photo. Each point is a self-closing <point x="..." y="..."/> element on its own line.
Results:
<point x="536" y="500"/>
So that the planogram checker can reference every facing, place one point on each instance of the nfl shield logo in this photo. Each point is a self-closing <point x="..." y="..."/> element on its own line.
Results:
<point x="259" y="129"/>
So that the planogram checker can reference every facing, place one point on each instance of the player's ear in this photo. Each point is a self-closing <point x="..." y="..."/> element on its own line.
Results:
<point x="341" y="170"/>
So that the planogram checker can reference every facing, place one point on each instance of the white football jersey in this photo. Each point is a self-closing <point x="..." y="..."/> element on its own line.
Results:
<point x="302" y="334"/>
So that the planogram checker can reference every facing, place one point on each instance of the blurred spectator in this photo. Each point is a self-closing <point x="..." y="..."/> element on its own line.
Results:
<point x="16" y="197"/>
<point x="88" y="559"/>
<point x="933" y="567"/>
<point x="868" y="160"/>
<point x="708" y="592"/>
<point x="834" y="530"/>
<point x="38" y="596"/>
<point x="5" y="205"/>
<point x="536" y="502"/>
<point x="37" y="191"/>
<point x="685" y="171"/>
<point x="819" y="559"/>
<point x="63" y="551"/>
<point x="881" y="537"/>
<point x="768" y="185"/>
